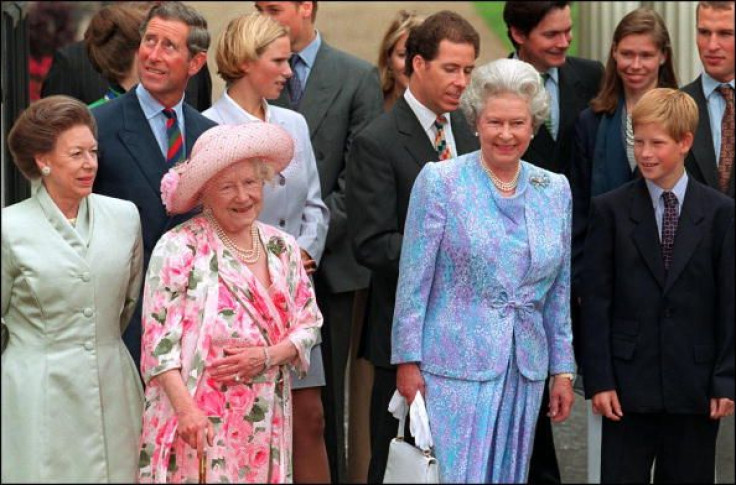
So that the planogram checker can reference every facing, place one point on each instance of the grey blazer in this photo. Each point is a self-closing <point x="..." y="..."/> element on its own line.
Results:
<point x="341" y="97"/>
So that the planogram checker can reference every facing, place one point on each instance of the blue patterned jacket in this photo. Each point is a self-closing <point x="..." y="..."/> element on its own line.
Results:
<point x="453" y="315"/>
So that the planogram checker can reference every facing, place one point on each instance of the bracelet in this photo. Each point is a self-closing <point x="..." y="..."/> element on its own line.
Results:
<point x="568" y="375"/>
<point x="266" y="359"/>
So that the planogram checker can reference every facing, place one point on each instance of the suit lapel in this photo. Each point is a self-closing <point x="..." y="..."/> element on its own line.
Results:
<point x="140" y="142"/>
<point x="570" y="89"/>
<point x="703" y="151"/>
<point x="413" y="137"/>
<point x="194" y="127"/>
<point x="323" y="85"/>
<point x="687" y="236"/>
<point x="645" y="235"/>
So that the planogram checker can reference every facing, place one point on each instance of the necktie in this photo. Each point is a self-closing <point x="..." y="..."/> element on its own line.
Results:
<point x="548" y="120"/>
<point x="295" y="83"/>
<point x="175" y="151"/>
<point x="669" y="227"/>
<point x="440" y="142"/>
<point x="725" y="158"/>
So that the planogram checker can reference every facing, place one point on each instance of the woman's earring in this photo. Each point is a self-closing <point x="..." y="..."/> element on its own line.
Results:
<point x="45" y="170"/>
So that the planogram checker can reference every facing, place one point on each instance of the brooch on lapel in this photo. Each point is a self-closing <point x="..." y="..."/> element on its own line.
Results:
<point x="539" y="181"/>
<point x="276" y="245"/>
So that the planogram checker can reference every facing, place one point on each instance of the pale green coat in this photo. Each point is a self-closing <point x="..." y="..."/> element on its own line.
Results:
<point x="71" y="395"/>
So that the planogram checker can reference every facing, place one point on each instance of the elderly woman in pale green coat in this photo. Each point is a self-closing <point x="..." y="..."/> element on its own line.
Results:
<point x="71" y="274"/>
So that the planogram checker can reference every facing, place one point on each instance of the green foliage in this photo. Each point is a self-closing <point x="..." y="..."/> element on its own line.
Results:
<point x="492" y="14"/>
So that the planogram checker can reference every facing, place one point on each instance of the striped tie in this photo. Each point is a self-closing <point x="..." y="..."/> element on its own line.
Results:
<point x="548" y="120"/>
<point x="440" y="142"/>
<point x="175" y="152"/>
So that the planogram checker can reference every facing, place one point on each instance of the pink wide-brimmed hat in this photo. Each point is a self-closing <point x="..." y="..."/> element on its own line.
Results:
<point x="218" y="148"/>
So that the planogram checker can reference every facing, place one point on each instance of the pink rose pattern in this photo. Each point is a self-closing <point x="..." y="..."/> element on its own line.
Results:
<point x="190" y="271"/>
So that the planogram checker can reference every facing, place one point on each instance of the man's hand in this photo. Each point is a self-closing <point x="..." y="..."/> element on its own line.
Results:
<point x="310" y="265"/>
<point x="606" y="403"/>
<point x="720" y="407"/>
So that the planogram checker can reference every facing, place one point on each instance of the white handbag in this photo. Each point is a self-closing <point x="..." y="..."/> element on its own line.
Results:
<point x="407" y="463"/>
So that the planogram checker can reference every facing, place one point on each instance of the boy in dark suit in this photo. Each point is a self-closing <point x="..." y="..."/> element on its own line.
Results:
<point x="658" y="309"/>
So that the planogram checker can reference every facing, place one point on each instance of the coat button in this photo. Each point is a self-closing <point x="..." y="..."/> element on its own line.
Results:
<point x="88" y="345"/>
<point x="85" y="277"/>
<point x="88" y="312"/>
<point x="282" y="222"/>
<point x="282" y="180"/>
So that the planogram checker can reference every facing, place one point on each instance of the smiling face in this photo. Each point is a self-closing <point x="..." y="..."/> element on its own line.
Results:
<point x="164" y="62"/>
<point x="268" y="74"/>
<point x="546" y="44"/>
<point x="438" y="83"/>
<point x="73" y="164"/>
<point x="637" y="63"/>
<point x="235" y="197"/>
<point x="505" y="130"/>
<point x="716" y="43"/>
<point x="660" y="158"/>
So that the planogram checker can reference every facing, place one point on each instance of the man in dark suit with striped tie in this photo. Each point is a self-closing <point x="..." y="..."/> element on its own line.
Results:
<point x="150" y="128"/>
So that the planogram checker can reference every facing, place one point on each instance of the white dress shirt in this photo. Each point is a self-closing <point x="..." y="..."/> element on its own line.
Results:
<point x="427" y="118"/>
<point x="292" y="201"/>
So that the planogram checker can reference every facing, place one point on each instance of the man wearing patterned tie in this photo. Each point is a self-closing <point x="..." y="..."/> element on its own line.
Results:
<point x="658" y="308"/>
<point x="423" y="126"/>
<point x="711" y="158"/>
<point x="145" y="131"/>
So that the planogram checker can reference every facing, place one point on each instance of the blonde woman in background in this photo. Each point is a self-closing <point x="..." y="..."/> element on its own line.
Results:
<point x="392" y="54"/>
<point x="252" y="57"/>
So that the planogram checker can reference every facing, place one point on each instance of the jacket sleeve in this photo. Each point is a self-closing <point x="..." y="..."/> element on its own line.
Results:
<point x="315" y="217"/>
<point x="171" y="274"/>
<point x="556" y="310"/>
<point x="722" y="384"/>
<point x="597" y="282"/>
<point x="425" y="227"/>
<point x="366" y="105"/>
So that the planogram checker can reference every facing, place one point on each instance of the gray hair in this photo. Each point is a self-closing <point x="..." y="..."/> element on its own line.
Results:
<point x="198" y="39"/>
<point x="505" y="76"/>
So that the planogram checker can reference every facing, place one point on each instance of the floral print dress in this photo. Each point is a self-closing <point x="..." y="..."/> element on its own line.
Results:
<point x="199" y="299"/>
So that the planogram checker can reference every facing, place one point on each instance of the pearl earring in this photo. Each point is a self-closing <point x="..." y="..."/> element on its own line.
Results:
<point x="45" y="170"/>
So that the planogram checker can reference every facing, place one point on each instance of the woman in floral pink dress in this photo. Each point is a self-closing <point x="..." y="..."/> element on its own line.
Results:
<point x="227" y="309"/>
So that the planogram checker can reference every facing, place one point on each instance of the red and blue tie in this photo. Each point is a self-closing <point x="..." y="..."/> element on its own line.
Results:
<point x="175" y="151"/>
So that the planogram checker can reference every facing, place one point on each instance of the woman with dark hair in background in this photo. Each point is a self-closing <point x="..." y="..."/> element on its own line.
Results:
<point x="112" y="40"/>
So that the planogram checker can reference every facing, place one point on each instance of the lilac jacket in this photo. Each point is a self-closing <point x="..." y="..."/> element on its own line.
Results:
<point x="453" y="315"/>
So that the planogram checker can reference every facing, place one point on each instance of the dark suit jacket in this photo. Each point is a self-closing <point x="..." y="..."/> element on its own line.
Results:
<point x="701" y="161"/>
<point x="72" y="74"/>
<point x="130" y="167"/>
<point x="341" y="97"/>
<point x="664" y="342"/>
<point x="384" y="162"/>
<point x="579" y="81"/>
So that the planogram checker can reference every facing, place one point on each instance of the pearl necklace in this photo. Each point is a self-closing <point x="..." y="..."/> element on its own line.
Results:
<point x="248" y="256"/>
<point x="505" y="187"/>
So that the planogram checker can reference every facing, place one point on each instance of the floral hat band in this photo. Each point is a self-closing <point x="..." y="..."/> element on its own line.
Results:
<point x="215" y="150"/>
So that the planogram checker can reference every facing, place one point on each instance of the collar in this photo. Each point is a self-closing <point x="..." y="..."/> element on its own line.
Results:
<point x="151" y="107"/>
<point x="309" y="53"/>
<point x="554" y="72"/>
<point x="425" y="115"/>
<point x="241" y="114"/>
<point x="655" y="191"/>
<point x="710" y="84"/>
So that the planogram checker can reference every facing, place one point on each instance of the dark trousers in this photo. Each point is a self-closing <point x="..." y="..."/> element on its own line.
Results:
<point x="543" y="468"/>
<point x="337" y="311"/>
<point x="383" y="424"/>
<point x="681" y="446"/>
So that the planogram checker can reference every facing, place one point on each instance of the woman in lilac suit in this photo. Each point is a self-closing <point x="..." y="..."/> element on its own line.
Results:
<point x="482" y="309"/>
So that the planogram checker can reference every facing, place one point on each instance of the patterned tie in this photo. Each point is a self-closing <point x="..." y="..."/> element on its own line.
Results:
<point x="669" y="227"/>
<point x="175" y="152"/>
<point x="725" y="159"/>
<point x="548" y="120"/>
<point x="295" y="83"/>
<point x="440" y="142"/>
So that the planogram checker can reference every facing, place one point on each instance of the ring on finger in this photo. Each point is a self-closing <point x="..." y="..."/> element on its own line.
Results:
<point x="237" y="378"/>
